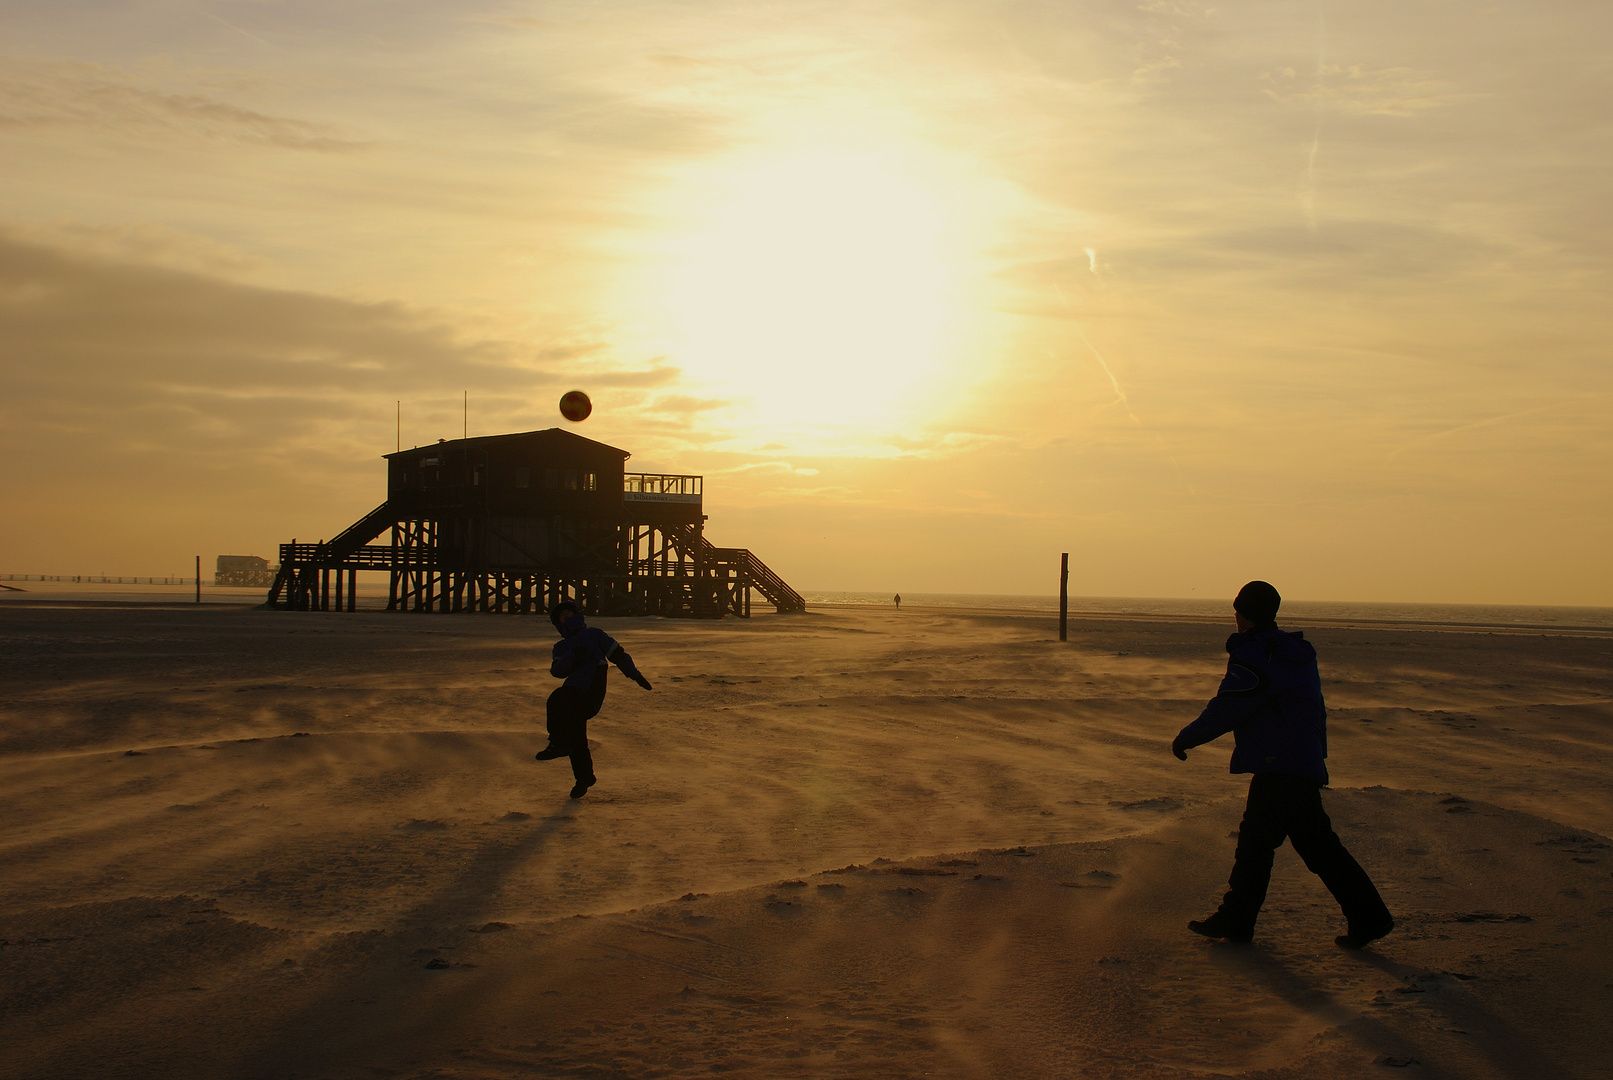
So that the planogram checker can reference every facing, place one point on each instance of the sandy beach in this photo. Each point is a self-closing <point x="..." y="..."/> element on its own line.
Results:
<point x="847" y="843"/>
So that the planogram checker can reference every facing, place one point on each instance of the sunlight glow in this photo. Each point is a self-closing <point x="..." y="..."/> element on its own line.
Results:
<point x="826" y="285"/>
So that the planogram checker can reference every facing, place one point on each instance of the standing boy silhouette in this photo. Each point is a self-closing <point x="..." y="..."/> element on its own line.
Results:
<point x="1271" y="700"/>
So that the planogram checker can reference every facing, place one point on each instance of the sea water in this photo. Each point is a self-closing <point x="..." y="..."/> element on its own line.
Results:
<point x="1293" y="611"/>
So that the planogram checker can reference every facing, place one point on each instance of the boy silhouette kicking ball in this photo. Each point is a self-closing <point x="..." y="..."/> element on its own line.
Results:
<point x="1271" y="700"/>
<point x="581" y="657"/>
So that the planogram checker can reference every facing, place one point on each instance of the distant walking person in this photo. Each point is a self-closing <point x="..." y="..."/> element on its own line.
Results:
<point x="1271" y="700"/>
<point x="581" y="658"/>
<point x="898" y="601"/>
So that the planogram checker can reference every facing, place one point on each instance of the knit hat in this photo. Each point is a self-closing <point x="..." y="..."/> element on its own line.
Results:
<point x="1257" y="602"/>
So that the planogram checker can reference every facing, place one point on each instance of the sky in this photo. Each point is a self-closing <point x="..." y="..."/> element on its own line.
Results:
<point x="929" y="292"/>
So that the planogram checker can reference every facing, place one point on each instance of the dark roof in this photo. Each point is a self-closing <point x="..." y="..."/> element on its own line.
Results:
<point x="554" y="437"/>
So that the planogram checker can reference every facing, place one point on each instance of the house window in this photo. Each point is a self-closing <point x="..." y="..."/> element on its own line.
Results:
<point x="590" y="481"/>
<point x="523" y="476"/>
<point x="476" y="477"/>
<point x="551" y="478"/>
<point x="571" y="479"/>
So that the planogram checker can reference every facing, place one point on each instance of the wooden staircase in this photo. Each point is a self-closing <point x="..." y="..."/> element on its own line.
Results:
<point x="736" y="571"/>
<point x="300" y="563"/>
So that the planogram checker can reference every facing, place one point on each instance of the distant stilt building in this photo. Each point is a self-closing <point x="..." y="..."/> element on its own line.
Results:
<point x="514" y="523"/>
<point x="243" y="571"/>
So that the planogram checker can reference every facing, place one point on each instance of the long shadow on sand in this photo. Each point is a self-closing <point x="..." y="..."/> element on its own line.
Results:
<point x="314" y="1040"/>
<point x="1475" y="1035"/>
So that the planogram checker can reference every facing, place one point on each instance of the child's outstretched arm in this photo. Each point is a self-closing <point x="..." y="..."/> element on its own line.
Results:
<point x="619" y="657"/>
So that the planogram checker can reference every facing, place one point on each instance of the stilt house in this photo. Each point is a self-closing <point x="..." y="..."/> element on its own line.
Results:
<point x="514" y="523"/>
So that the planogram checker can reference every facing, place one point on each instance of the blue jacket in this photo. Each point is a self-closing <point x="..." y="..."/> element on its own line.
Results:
<point x="582" y="654"/>
<point x="1271" y="701"/>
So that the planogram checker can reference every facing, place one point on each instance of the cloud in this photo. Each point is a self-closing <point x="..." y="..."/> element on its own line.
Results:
<point x="659" y="373"/>
<point x="53" y="93"/>
<point x="940" y="444"/>
<point x="688" y="405"/>
<point x="1154" y="70"/>
<point x="108" y="358"/>
<point x="1395" y="91"/>
<point x="1357" y="254"/>
<point x="759" y="468"/>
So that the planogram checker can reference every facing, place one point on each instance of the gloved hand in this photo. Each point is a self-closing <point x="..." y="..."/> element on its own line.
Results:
<point x="1178" y="749"/>
<point x="642" y="681"/>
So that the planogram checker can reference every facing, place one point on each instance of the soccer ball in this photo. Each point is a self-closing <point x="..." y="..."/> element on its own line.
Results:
<point x="575" y="406"/>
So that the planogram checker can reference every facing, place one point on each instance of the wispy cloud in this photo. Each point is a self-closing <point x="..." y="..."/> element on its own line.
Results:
<point x="40" y="93"/>
<point x="1361" y="91"/>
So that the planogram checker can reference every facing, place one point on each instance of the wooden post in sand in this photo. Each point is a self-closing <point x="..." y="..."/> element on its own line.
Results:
<point x="198" y="579"/>
<point x="1064" y="597"/>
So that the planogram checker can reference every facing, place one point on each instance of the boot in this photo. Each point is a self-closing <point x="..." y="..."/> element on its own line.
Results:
<point x="1219" y="926"/>
<point x="1360" y="936"/>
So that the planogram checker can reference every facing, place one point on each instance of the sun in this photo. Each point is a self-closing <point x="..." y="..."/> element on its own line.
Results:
<point x="824" y="285"/>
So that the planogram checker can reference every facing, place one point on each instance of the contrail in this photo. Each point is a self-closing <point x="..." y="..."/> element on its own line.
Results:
<point x="1120" y="394"/>
<point x="244" y="33"/>
<point x="1104" y="364"/>
<point x="1464" y="427"/>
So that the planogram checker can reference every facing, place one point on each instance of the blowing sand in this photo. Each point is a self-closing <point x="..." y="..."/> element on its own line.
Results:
<point x="848" y="843"/>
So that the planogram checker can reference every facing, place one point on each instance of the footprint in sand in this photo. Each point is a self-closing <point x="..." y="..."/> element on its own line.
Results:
<point x="1162" y="803"/>
<point x="1489" y="916"/>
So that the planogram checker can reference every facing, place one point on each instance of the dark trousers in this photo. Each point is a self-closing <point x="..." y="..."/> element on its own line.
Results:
<point x="570" y="708"/>
<point x="1290" y="807"/>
